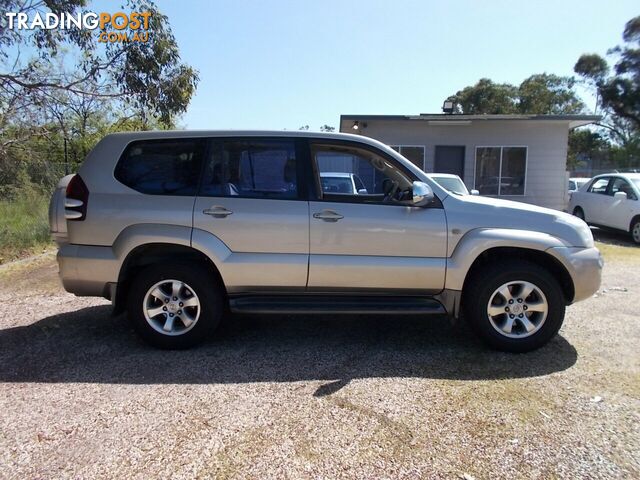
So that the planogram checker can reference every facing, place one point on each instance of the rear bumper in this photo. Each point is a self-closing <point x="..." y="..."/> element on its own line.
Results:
<point x="88" y="270"/>
<point x="585" y="267"/>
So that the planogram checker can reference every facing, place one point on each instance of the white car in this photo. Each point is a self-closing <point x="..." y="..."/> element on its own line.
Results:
<point x="342" y="182"/>
<point x="576" y="182"/>
<point x="611" y="201"/>
<point x="452" y="183"/>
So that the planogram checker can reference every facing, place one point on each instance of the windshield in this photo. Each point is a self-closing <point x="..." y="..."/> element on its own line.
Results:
<point x="454" y="185"/>
<point x="636" y="181"/>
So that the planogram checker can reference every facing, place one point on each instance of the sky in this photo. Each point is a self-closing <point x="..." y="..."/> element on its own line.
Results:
<point x="283" y="64"/>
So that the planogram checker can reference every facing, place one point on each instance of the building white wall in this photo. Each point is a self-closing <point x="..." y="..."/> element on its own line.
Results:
<point x="546" y="143"/>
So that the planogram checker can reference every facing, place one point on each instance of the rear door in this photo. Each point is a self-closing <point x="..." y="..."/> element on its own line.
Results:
<point x="252" y="200"/>
<point x="369" y="242"/>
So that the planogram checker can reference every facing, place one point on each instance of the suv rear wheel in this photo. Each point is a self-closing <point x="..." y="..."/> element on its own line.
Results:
<point x="174" y="306"/>
<point x="514" y="307"/>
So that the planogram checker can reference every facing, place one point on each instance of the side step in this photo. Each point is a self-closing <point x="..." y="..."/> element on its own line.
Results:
<point x="328" y="304"/>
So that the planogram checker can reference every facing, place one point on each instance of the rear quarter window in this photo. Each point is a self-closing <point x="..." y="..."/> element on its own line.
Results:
<point x="162" y="167"/>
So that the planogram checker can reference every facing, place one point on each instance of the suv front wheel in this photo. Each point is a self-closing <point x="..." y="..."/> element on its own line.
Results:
<point x="174" y="306"/>
<point x="515" y="307"/>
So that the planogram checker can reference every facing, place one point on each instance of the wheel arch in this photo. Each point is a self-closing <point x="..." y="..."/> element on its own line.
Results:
<point x="153" y="253"/>
<point x="490" y="245"/>
<point x="541" y="258"/>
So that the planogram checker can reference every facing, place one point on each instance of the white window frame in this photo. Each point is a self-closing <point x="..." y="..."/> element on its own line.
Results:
<point x="424" y="151"/>
<point x="502" y="147"/>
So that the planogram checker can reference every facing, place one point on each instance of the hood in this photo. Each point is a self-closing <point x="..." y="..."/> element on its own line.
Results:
<point x="468" y="212"/>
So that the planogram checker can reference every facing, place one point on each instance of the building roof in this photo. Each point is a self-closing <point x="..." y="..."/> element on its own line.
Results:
<point x="461" y="119"/>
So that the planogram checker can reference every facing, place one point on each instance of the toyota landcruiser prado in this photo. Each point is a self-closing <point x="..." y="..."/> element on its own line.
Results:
<point x="178" y="227"/>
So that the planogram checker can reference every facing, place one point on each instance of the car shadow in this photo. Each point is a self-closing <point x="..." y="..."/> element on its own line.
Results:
<point x="612" y="237"/>
<point x="89" y="345"/>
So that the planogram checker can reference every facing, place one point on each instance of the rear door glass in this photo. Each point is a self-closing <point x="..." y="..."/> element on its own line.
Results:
<point x="253" y="168"/>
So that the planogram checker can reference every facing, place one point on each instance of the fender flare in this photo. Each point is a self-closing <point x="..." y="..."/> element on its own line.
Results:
<point x="136" y="236"/>
<point x="477" y="241"/>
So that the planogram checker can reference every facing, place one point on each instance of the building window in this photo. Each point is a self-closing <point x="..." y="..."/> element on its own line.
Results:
<point x="501" y="170"/>
<point x="413" y="153"/>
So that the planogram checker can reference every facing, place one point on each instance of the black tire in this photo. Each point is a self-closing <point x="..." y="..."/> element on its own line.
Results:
<point x="480" y="288"/>
<point x="199" y="280"/>
<point x="635" y="231"/>
<point x="578" y="212"/>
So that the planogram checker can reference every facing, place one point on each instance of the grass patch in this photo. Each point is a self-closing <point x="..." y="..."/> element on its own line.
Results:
<point x="612" y="252"/>
<point x="24" y="226"/>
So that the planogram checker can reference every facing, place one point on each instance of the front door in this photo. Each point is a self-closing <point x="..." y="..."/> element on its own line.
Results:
<point x="368" y="241"/>
<point x="449" y="159"/>
<point x="616" y="211"/>
<point x="594" y="200"/>
<point x="250" y="199"/>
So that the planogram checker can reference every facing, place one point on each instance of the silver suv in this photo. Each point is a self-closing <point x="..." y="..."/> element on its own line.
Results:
<point x="178" y="227"/>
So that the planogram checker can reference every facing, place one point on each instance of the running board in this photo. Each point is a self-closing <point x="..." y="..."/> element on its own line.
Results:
<point x="332" y="304"/>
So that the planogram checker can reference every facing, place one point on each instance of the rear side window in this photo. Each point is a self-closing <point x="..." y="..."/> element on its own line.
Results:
<point x="252" y="169"/>
<point x="162" y="167"/>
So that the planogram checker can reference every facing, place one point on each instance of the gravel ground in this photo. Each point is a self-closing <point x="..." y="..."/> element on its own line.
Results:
<point x="316" y="397"/>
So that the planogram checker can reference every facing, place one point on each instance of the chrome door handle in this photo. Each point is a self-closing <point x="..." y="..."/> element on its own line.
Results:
<point x="217" y="212"/>
<point x="328" y="216"/>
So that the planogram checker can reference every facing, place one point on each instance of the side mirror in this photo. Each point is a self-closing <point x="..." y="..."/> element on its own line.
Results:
<point x="475" y="192"/>
<point x="620" y="195"/>
<point x="422" y="194"/>
<point x="362" y="191"/>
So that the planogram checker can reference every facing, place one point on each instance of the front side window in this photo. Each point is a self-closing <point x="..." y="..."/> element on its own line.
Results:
<point x="501" y="170"/>
<point x="162" y="167"/>
<point x="599" y="186"/>
<point x="252" y="169"/>
<point x="621" y="185"/>
<point x="355" y="174"/>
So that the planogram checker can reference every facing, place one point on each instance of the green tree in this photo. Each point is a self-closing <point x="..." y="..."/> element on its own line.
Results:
<point x="547" y="94"/>
<point x="69" y="91"/>
<point x="584" y="146"/>
<point x="618" y="92"/>
<point x="486" y="97"/>
<point x="147" y="76"/>
<point x="539" y="94"/>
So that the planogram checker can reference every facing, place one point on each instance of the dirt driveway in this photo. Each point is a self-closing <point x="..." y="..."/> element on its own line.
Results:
<point x="316" y="397"/>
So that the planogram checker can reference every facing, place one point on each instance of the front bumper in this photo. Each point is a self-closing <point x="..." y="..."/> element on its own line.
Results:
<point x="88" y="270"/>
<point x="585" y="267"/>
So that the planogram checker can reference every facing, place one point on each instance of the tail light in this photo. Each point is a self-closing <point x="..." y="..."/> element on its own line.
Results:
<point x="76" y="199"/>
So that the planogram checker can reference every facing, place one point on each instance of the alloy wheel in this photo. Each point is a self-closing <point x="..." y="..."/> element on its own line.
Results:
<point x="517" y="309"/>
<point x="171" y="307"/>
